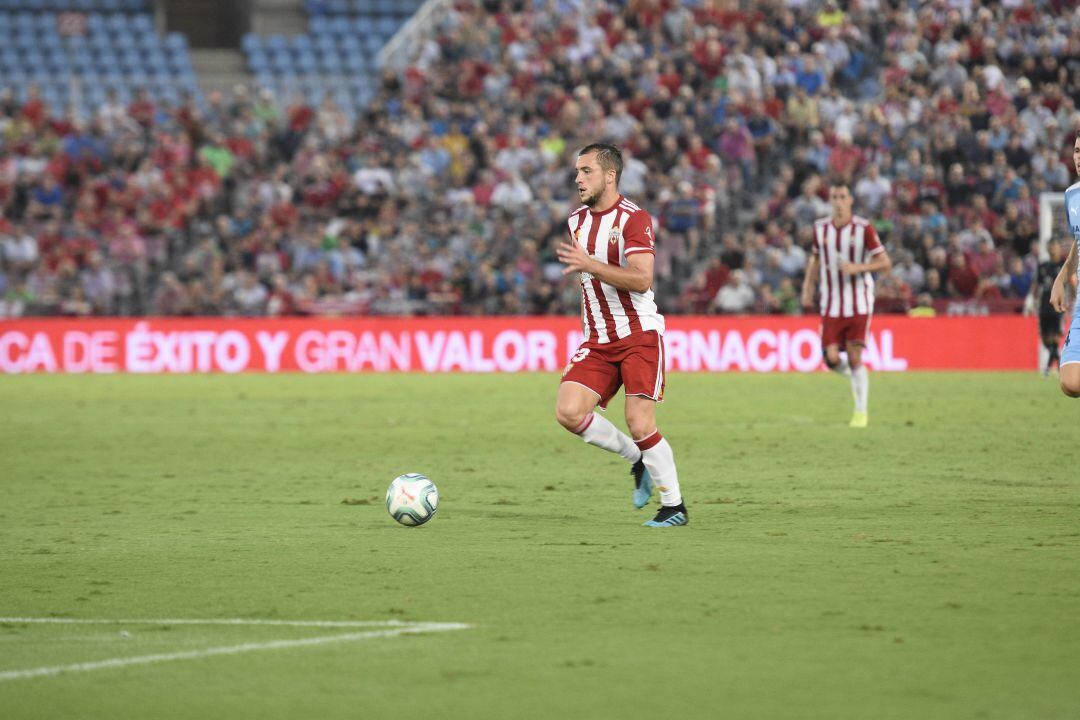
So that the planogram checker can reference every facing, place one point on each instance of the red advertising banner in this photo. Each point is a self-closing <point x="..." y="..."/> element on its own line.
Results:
<point x="489" y="344"/>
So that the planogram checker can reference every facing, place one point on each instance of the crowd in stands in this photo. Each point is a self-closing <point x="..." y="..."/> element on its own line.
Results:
<point x="448" y="193"/>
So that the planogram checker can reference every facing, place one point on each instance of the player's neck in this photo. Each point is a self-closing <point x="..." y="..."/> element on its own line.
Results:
<point x="605" y="202"/>
<point x="841" y="221"/>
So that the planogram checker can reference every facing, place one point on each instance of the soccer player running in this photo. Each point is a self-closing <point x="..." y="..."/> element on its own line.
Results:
<point x="845" y="253"/>
<point x="611" y="247"/>
<point x="1049" y="317"/>
<point x="1069" y="366"/>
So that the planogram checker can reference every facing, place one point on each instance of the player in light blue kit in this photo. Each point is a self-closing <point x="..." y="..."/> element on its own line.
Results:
<point x="1070" y="356"/>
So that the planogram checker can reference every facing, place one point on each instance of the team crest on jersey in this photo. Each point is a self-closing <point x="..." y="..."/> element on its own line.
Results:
<point x="577" y="236"/>
<point x="614" y="236"/>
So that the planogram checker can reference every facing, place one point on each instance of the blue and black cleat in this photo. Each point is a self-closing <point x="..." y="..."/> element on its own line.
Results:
<point x="670" y="517"/>
<point x="642" y="484"/>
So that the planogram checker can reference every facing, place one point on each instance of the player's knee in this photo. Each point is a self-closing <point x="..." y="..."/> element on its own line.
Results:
<point x="831" y="361"/>
<point x="570" y="417"/>
<point x="640" y="427"/>
<point x="1070" y="386"/>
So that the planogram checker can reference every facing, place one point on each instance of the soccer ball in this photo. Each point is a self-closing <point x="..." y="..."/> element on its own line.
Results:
<point x="412" y="499"/>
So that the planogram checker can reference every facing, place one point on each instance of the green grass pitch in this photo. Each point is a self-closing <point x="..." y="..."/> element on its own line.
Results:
<point x="926" y="567"/>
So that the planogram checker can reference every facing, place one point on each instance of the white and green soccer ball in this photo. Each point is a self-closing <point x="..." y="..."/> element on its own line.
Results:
<point x="412" y="499"/>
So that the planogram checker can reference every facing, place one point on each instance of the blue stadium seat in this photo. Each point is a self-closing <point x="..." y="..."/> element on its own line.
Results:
<point x="276" y="42"/>
<point x="142" y="24"/>
<point x="148" y="42"/>
<point x="356" y="62"/>
<point x="107" y="61"/>
<point x="32" y="60"/>
<point x="258" y="63"/>
<point x="81" y="59"/>
<point x="116" y="22"/>
<point x="281" y="60"/>
<point x="57" y="63"/>
<point x="131" y="60"/>
<point x="124" y="39"/>
<point x="180" y="63"/>
<point x="373" y="43"/>
<point x="95" y="22"/>
<point x="340" y="25"/>
<point x="251" y="42"/>
<point x="158" y="65"/>
<point x="306" y="62"/>
<point x="330" y="63"/>
<point x="176" y="41"/>
<point x="49" y="41"/>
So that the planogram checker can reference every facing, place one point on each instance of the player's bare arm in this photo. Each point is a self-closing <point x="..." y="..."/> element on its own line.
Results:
<point x="809" y="282"/>
<point x="878" y="263"/>
<point x="1058" y="294"/>
<point x="637" y="276"/>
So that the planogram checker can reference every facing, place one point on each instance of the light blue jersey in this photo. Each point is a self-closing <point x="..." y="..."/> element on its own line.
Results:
<point x="1072" y="210"/>
<point x="1071" y="352"/>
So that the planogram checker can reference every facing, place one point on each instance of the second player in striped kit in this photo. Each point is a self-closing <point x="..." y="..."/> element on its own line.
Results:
<point x="846" y="251"/>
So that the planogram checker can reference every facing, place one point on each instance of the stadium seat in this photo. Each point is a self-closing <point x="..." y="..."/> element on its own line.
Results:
<point x="176" y="41"/>
<point x="142" y="24"/>
<point x="340" y="26"/>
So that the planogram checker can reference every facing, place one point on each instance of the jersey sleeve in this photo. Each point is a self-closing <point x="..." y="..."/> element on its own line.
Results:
<point x="638" y="235"/>
<point x="872" y="243"/>
<point x="1072" y="211"/>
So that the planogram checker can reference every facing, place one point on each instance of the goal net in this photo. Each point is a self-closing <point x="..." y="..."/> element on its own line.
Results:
<point x="1051" y="221"/>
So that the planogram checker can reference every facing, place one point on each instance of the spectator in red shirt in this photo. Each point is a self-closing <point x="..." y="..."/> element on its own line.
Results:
<point x="963" y="280"/>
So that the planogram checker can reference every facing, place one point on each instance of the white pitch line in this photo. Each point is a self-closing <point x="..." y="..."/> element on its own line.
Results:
<point x="213" y="621"/>
<point x="400" y="629"/>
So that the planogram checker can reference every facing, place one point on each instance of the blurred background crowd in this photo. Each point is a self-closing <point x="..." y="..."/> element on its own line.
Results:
<point x="447" y="192"/>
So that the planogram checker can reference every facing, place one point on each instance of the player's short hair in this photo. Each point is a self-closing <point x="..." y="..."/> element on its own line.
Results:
<point x="607" y="155"/>
<point x="839" y="181"/>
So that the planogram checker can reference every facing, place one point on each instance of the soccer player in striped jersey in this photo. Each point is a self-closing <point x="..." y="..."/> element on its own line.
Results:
<point x="1069" y="365"/>
<point x="611" y="246"/>
<point x="845" y="253"/>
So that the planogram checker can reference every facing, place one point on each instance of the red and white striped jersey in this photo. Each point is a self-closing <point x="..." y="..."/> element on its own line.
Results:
<point x="857" y="242"/>
<point x="608" y="313"/>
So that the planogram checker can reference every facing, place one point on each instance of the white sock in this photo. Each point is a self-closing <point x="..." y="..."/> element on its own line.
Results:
<point x="660" y="460"/>
<point x="842" y="368"/>
<point x="598" y="430"/>
<point x="860" y="387"/>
